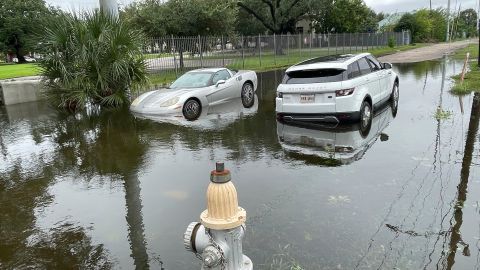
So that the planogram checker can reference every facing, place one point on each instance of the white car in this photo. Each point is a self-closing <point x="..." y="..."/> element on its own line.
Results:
<point x="216" y="117"/>
<point x="336" y="88"/>
<point x="197" y="89"/>
<point x="333" y="144"/>
<point x="28" y="59"/>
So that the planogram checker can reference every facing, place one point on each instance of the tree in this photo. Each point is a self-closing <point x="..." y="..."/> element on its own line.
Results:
<point x="248" y="25"/>
<point x="467" y="22"/>
<point x="95" y="59"/>
<point x="148" y="16"/>
<point x="20" y="20"/>
<point x="347" y="16"/>
<point x="424" y="25"/>
<point x="280" y="16"/>
<point x="182" y="17"/>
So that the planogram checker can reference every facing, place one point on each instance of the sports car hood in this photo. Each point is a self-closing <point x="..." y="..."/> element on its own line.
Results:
<point x="153" y="99"/>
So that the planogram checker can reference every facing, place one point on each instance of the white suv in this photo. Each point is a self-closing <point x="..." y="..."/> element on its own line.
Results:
<point x="336" y="88"/>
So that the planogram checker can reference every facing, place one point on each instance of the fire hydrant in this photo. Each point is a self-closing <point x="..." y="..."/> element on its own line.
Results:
<point x="217" y="239"/>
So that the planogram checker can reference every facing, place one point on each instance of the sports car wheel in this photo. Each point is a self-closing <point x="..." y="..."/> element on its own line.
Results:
<point x="248" y="95"/>
<point x="192" y="109"/>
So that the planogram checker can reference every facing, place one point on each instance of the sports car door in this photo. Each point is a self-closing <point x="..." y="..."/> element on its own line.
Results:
<point x="222" y="91"/>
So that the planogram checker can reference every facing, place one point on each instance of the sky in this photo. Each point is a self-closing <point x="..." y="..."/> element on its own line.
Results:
<point x="388" y="6"/>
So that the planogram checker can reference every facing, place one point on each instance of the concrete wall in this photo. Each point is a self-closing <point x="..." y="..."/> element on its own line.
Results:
<point x="21" y="90"/>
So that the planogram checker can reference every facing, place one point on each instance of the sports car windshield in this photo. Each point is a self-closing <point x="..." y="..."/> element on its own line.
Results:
<point x="193" y="80"/>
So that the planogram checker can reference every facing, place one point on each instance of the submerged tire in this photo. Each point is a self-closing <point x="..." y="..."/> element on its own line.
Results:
<point x="248" y="95"/>
<point x="394" y="96"/>
<point x="192" y="109"/>
<point x="366" y="116"/>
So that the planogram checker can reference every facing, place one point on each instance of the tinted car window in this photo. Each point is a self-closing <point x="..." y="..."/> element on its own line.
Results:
<point x="314" y="76"/>
<point x="353" y="71"/>
<point x="221" y="75"/>
<point x="374" y="63"/>
<point x="364" y="66"/>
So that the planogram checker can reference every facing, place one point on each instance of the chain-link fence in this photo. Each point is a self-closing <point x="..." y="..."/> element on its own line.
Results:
<point x="169" y="57"/>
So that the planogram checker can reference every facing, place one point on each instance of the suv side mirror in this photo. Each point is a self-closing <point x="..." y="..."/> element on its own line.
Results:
<point x="387" y="66"/>
<point x="219" y="82"/>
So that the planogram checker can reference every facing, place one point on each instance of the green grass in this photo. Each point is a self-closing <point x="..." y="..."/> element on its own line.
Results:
<point x="471" y="82"/>
<point x="8" y="71"/>
<point x="472" y="49"/>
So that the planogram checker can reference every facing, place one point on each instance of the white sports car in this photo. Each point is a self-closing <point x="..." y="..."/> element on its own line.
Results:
<point x="197" y="89"/>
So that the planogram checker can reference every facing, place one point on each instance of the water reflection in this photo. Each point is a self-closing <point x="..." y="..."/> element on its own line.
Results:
<point x="457" y="219"/>
<point x="332" y="145"/>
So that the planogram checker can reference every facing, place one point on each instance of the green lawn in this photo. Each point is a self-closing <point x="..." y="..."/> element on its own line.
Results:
<point x="472" y="77"/>
<point x="8" y="71"/>
<point x="472" y="49"/>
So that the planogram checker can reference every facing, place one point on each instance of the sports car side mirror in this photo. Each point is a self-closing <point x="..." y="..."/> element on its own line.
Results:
<point x="219" y="82"/>
<point x="387" y="66"/>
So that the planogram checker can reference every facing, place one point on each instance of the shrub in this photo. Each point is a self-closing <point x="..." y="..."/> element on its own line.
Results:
<point x="94" y="58"/>
<point x="392" y="42"/>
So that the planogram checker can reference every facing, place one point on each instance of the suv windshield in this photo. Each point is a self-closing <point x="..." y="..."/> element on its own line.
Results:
<point x="193" y="80"/>
<point x="314" y="76"/>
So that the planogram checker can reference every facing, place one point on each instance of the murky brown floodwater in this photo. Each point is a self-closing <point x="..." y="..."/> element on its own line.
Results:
<point x="106" y="190"/>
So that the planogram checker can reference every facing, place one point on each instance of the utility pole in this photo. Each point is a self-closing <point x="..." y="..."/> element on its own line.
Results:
<point x="109" y="6"/>
<point x="448" y="22"/>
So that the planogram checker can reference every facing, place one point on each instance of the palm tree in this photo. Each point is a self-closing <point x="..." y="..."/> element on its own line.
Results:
<point x="92" y="58"/>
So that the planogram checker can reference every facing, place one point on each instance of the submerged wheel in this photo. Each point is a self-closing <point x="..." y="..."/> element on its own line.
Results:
<point x="366" y="116"/>
<point x="192" y="109"/>
<point x="395" y="96"/>
<point x="248" y="95"/>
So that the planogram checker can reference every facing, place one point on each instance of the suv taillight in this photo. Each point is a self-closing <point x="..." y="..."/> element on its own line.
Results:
<point x="344" y="92"/>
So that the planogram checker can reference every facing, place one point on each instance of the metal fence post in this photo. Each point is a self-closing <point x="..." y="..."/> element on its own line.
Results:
<point x="174" y="57"/>
<point x="274" y="49"/>
<point x="243" y="53"/>
<point x="288" y="48"/>
<point x="300" y="44"/>
<point x="259" y="50"/>
<point x="223" y="53"/>
<point x="200" y="49"/>
<point x="311" y="40"/>
<point x="350" y="42"/>
<point x="328" y="43"/>
<point x="344" y="43"/>
<point x="368" y="39"/>
<point x="336" y="42"/>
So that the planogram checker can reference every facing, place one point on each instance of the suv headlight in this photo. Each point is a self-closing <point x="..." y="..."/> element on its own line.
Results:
<point x="170" y="102"/>
<point x="279" y="94"/>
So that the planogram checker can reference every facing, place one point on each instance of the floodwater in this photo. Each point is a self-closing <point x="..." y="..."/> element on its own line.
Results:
<point x="108" y="190"/>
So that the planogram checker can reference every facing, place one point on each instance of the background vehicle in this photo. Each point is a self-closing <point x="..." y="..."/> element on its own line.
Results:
<point x="336" y="88"/>
<point x="196" y="89"/>
<point x="28" y="59"/>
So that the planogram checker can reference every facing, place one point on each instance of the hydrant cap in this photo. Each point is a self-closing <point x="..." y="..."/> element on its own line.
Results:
<point x="220" y="175"/>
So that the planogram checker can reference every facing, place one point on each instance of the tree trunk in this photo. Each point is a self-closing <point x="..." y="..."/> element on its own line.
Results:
<point x="17" y="46"/>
